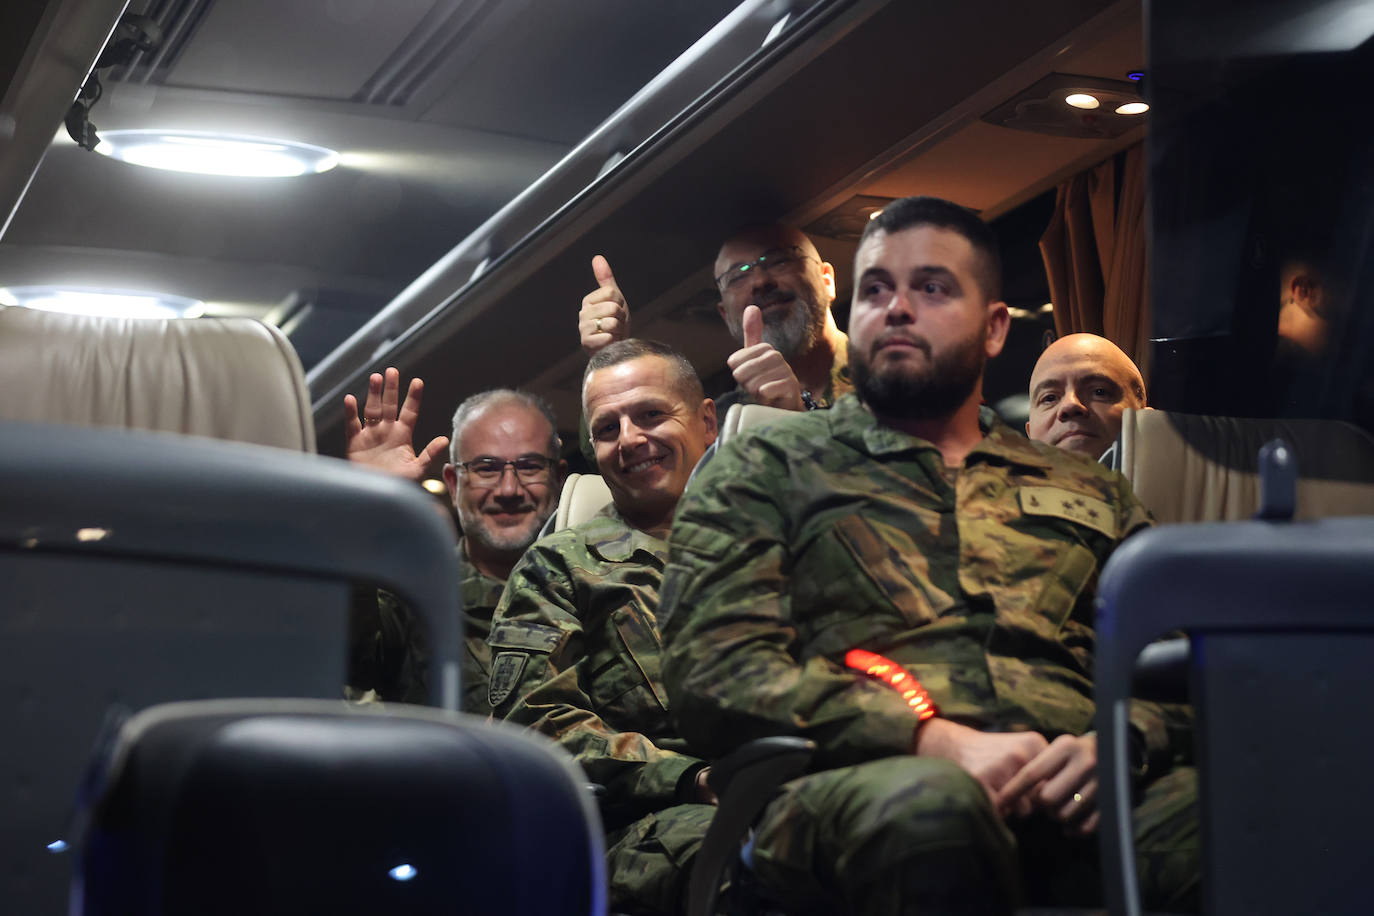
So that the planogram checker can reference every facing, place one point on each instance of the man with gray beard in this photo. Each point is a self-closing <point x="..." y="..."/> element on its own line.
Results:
<point x="775" y="298"/>
<point x="504" y="478"/>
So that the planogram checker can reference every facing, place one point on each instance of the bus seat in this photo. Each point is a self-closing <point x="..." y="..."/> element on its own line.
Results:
<point x="298" y="806"/>
<point x="226" y="378"/>
<point x="142" y="568"/>
<point x="1278" y="614"/>
<point x="741" y="417"/>
<point x="1192" y="468"/>
<point x="583" y="496"/>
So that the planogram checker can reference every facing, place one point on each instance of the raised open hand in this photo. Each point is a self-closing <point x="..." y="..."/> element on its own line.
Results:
<point x="605" y="316"/>
<point x="760" y="370"/>
<point x="383" y="437"/>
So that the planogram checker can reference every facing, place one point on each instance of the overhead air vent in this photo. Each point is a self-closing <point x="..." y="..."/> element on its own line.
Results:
<point x="179" y="20"/>
<point x="433" y="41"/>
<point x="847" y="221"/>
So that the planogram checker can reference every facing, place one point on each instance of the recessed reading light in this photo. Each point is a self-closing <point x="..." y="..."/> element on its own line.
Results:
<point x="110" y="303"/>
<point x="216" y="154"/>
<point x="437" y="487"/>
<point x="1082" y="100"/>
<point x="1132" y="108"/>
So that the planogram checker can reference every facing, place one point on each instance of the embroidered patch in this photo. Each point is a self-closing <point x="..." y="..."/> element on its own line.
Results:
<point x="536" y="637"/>
<point x="506" y="670"/>
<point x="1052" y="502"/>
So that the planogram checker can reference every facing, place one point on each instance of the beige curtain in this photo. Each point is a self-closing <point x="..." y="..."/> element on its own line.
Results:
<point x="1094" y="254"/>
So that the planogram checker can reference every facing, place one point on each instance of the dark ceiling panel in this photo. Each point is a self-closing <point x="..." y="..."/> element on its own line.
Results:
<point x="555" y="76"/>
<point x="324" y="49"/>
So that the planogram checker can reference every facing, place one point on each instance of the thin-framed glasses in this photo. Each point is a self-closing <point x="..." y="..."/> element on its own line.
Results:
<point x="771" y="262"/>
<point x="487" y="471"/>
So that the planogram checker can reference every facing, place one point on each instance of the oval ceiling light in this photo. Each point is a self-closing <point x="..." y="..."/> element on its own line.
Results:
<point x="216" y="154"/>
<point x="1082" y="100"/>
<point x="1132" y="108"/>
<point x="107" y="303"/>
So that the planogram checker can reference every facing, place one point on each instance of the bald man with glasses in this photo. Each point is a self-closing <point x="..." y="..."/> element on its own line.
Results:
<point x="775" y="297"/>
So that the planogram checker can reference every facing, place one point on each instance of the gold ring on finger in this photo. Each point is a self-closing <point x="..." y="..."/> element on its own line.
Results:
<point x="1077" y="797"/>
<point x="597" y="324"/>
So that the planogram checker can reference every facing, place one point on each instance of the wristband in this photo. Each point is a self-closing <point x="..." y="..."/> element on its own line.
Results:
<point x="896" y="677"/>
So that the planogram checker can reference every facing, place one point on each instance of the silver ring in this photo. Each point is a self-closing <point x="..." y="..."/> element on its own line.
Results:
<point x="597" y="324"/>
<point x="1077" y="797"/>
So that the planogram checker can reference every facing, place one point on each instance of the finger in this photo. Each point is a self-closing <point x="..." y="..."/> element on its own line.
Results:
<point x="1059" y="789"/>
<point x="410" y="410"/>
<point x="1090" y="825"/>
<point x="601" y="269"/>
<point x="754" y="353"/>
<point x="372" y="409"/>
<point x="600" y="308"/>
<point x="1079" y="803"/>
<point x="434" y="449"/>
<point x="352" y="424"/>
<point x="391" y="393"/>
<point x="753" y="325"/>
<point x="1029" y="776"/>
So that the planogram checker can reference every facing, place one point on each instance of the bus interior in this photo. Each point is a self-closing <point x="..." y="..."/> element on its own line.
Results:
<point x="486" y="150"/>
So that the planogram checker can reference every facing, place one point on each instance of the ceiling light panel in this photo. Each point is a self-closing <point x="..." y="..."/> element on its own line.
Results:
<point x="216" y="154"/>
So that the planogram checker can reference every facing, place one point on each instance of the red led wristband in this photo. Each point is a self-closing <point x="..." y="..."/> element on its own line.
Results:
<point x="896" y="677"/>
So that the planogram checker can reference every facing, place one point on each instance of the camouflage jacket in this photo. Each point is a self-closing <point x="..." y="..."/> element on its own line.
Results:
<point x="576" y="655"/>
<point x="825" y="532"/>
<point x="391" y="654"/>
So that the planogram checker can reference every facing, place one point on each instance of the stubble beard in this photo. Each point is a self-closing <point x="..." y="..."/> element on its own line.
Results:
<point x="793" y="332"/>
<point x="933" y="391"/>
<point x="500" y="540"/>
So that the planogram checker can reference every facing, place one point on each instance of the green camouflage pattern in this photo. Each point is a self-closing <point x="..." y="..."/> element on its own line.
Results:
<point x="576" y="655"/>
<point x="824" y="532"/>
<point x="390" y="651"/>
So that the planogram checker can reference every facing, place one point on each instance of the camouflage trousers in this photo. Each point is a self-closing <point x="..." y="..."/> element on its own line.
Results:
<point x="648" y="861"/>
<point x="919" y="835"/>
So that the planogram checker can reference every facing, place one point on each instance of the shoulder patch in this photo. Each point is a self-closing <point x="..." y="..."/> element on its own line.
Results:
<point x="535" y="637"/>
<point x="1053" y="502"/>
<point x="506" y="670"/>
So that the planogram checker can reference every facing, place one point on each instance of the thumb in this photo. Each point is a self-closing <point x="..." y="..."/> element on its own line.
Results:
<point x="601" y="269"/>
<point x="753" y="325"/>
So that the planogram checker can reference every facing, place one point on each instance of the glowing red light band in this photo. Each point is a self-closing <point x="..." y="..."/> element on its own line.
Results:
<point x="896" y="677"/>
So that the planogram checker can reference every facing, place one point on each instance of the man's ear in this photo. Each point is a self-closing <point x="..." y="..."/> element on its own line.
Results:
<point x="708" y="416"/>
<point x="451" y="481"/>
<point x="720" y="310"/>
<point x="560" y="472"/>
<point x="1028" y="429"/>
<point x="828" y="276"/>
<point x="999" y="323"/>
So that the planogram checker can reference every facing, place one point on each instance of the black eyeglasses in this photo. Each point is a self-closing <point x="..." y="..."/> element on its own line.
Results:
<point x="770" y="262"/>
<point x="486" y="471"/>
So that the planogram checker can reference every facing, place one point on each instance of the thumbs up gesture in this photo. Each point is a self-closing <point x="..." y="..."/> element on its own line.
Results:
<point x="605" y="317"/>
<point x="760" y="370"/>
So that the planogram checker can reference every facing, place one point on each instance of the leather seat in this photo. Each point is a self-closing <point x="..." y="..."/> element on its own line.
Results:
<point x="226" y="378"/>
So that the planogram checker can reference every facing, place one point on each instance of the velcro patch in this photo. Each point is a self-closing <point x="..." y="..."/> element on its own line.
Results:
<point x="1052" y="502"/>
<point x="534" y="637"/>
<point x="506" y="670"/>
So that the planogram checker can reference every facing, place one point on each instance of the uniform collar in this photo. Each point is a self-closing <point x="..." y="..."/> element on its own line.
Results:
<point x="611" y="538"/>
<point x="852" y="422"/>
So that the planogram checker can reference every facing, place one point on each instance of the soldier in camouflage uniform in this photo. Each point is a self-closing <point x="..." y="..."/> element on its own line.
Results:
<point x="503" y="478"/>
<point x="575" y="643"/>
<point x="913" y="524"/>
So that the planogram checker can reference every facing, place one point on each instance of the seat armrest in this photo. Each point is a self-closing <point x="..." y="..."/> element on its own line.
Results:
<point x="744" y="780"/>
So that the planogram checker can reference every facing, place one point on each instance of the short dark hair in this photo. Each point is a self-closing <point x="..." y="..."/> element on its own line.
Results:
<point x="910" y="212"/>
<point x="622" y="351"/>
<point x="500" y="397"/>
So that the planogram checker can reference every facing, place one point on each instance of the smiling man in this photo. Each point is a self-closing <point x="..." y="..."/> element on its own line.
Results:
<point x="1078" y="389"/>
<point x="503" y="479"/>
<point x="575" y="640"/>
<point x="908" y="582"/>
<point x="775" y="297"/>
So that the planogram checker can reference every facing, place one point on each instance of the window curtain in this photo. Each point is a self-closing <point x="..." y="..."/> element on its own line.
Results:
<point x="1094" y="254"/>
